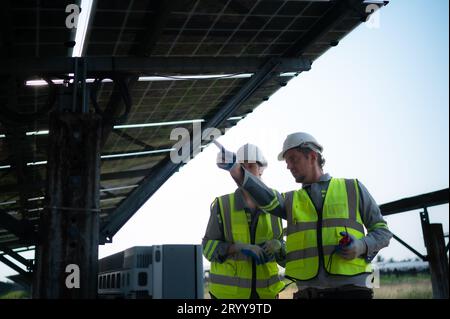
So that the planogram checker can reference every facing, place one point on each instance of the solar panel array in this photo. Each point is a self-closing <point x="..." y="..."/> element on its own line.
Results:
<point x="187" y="29"/>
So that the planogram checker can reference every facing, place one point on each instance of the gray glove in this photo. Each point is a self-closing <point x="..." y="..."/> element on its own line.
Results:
<point x="355" y="249"/>
<point x="271" y="247"/>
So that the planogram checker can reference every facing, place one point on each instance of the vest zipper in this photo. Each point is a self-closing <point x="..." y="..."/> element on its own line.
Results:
<point x="253" y="224"/>
<point x="319" y="231"/>
<point x="319" y="239"/>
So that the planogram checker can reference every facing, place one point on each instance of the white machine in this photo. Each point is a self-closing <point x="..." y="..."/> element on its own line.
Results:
<point x="158" y="272"/>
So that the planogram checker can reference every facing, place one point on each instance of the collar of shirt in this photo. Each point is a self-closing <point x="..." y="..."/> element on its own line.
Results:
<point x="324" y="178"/>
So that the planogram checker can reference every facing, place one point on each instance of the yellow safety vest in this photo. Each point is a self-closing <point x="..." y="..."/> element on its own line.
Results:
<point x="232" y="279"/>
<point x="311" y="236"/>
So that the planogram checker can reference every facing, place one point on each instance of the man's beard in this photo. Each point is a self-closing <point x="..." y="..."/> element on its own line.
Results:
<point x="300" y="179"/>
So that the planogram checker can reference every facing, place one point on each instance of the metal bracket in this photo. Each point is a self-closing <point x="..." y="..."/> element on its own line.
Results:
<point x="424" y="258"/>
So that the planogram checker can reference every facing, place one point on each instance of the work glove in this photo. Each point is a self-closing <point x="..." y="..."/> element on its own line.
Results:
<point x="226" y="159"/>
<point x="271" y="247"/>
<point x="253" y="251"/>
<point x="354" y="249"/>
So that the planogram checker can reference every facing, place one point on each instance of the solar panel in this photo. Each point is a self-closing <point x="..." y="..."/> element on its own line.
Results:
<point x="246" y="34"/>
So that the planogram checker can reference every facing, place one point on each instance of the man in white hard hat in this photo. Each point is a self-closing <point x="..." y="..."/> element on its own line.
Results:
<point x="335" y="227"/>
<point x="242" y="242"/>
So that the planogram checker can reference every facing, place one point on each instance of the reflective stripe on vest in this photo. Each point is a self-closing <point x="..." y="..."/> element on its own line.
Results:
<point x="332" y="222"/>
<point x="233" y="278"/>
<point x="340" y="212"/>
<point x="277" y="228"/>
<point x="242" y="282"/>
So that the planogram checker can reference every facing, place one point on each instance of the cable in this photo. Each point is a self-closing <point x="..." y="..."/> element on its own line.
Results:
<point x="124" y="93"/>
<point x="330" y="260"/>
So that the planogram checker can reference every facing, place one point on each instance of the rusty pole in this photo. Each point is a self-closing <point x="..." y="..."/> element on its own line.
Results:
<point x="67" y="254"/>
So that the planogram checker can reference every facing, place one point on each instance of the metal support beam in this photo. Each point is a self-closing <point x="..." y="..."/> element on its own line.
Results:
<point x="20" y="250"/>
<point x="106" y="194"/>
<point x="12" y="188"/>
<point x="69" y="225"/>
<point x="101" y="66"/>
<point x="433" y="235"/>
<point x="120" y="156"/>
<point x="167" y="168"/>
<point x="416" y="202"/>
<point x="21" y="150"/>
<point x="12" y="265"/>
<point x="424" y="258"/>
<point x="22" y="229"/>
<point x="80" y="100"/>
<point x="26" y="262"/>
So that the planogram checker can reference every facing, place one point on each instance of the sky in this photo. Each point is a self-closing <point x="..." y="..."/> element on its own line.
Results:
<point x="378" y="103"/>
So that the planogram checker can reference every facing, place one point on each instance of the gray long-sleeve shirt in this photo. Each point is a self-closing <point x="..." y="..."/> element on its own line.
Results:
<point x="376" y="238"/>
<point x="215" y="247"/>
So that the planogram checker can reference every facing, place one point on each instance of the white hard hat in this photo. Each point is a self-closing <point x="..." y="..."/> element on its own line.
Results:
<point x="250" y="153"/>
<point x="300" y="139"/>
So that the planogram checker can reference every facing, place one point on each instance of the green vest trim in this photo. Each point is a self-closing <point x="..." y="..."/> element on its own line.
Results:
<point x="340" y="212"/>
<point x="233" y="278"/>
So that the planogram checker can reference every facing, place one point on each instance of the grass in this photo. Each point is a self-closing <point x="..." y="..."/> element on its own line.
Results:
<point x="18" y="294"/>
<point x="387" y="279"/>
<point x="404" y="287"/>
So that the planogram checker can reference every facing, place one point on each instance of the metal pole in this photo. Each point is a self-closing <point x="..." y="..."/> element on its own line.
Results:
<point x="84" y="88"/>
<point x="437" y="257"/>
<point x="67" y="254"/>
<point x="424" y="258"/>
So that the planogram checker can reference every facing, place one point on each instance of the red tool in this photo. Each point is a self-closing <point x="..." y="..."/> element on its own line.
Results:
<point x="345" y="240"/>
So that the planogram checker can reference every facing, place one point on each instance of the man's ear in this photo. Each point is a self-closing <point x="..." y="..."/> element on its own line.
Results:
<point x="261" y="170"/>
<point x="313" y="156"/>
